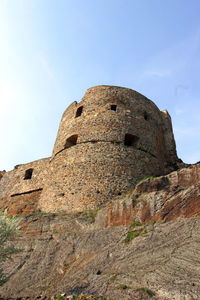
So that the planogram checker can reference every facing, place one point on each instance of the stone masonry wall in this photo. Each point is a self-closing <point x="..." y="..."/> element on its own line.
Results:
<point x="90" y="174"/>
<point x="14" y="188"/>
<point x="98" y="165"/>
<point x="105" y="143"/>
<point x="134" y="114"/>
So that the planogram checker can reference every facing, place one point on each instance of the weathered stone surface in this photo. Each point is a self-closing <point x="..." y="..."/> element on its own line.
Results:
<point x="105" y="143"/>
<point x="21" y="195"/>
<point x="2" y="173"/>
<point x="157" y="199"/>
<point x="66" y="254"/>
<point x="146" y="235"/>
<point x="20" y="204"/>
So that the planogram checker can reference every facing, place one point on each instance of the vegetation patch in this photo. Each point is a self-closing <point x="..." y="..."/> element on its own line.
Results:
<point x="90" y="215"/>
<point x="36" y="213"/>
<point x="137" y="229"/>
<point x="86" y="297"/>
<point x="131" y="235"/>
<point x="9" y="230"/>
<point x="55" y="232"/>
<point x="147" y="291"/>
<point x="122" y="286"/>
<point x="112" y="278"/>
<point x="135" y="224"/>
<point x="144" y="178"/>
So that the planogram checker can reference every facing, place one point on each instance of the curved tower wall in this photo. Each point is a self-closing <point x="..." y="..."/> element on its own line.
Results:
<point x="105" y="143"/>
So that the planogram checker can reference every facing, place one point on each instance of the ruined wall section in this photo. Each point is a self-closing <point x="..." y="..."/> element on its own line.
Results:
<point x="97" y="165"/>
<point x="66" y="117"/>
<point x="16" y="192"/>
<point x="170" y="146"/>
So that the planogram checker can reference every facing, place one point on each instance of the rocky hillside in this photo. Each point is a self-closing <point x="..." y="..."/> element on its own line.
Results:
<point x="145" y="244"/>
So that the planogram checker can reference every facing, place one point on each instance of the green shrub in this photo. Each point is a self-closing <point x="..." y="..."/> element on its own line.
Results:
<point x="147" y="291"/>
<point x="90" y="215"/>
<point x="8" y="231"/>
<point x="131" y="235"/>
<point x="135" y="224"/>
<point x="144" y="178"/>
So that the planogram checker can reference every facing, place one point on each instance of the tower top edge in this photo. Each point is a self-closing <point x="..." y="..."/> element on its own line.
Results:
<point x="107" y="87"/>
<point x="114" y="90"/>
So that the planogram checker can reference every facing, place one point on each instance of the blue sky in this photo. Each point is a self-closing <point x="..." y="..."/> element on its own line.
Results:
<point x="51" y="51"/>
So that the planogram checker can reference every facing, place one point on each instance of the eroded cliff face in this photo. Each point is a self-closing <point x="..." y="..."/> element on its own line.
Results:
<point x="158" y="199"/>
<point x="147" y="238"/>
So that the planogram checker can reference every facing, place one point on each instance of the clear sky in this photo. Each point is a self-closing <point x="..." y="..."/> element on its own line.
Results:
<point x="51" y="51"/>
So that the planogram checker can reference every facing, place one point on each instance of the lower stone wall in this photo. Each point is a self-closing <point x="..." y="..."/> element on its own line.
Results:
<point x="21" y="204"/>
<point x="15" y="190"/>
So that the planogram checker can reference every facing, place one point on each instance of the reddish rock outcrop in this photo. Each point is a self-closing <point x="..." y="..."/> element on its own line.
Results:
<point x="158" y="199"/>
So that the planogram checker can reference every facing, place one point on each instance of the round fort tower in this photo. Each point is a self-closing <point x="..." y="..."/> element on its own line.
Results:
<point x="105" y="143"/>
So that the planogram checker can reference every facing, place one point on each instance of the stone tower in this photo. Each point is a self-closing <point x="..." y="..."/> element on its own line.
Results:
<point x="105" y="143"/>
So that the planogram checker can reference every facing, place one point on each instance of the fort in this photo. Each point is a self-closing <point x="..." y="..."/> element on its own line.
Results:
<point x="113" y="137"/>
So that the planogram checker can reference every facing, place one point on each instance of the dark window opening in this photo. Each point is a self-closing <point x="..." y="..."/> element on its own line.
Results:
<point x="130" y="140"/>
<point x="71" y="141"/>
<point x="98" y="272"/>
<point x="61" y="195"/>
<point x="113" y="107"/>
<point x="28" y="174"/>
<point x="79" y="111"/>
<point x="145" y="115"/>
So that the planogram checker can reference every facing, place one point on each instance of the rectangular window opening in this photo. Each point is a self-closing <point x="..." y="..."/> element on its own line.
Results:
<point x="113" y="107"/>
<point x="71" y="141"/>
<point x="79" y="112"/>
<point x="28" y="174"/>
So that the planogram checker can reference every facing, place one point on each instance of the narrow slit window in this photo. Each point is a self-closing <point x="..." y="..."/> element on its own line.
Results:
<point x="79" y="112"/>
<point x="28" y="174"/>
<point x="130" y="140"/>
<point x="71" y="141"/>
<point x="113" y="107"/>
<point x="145" y="116"/>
